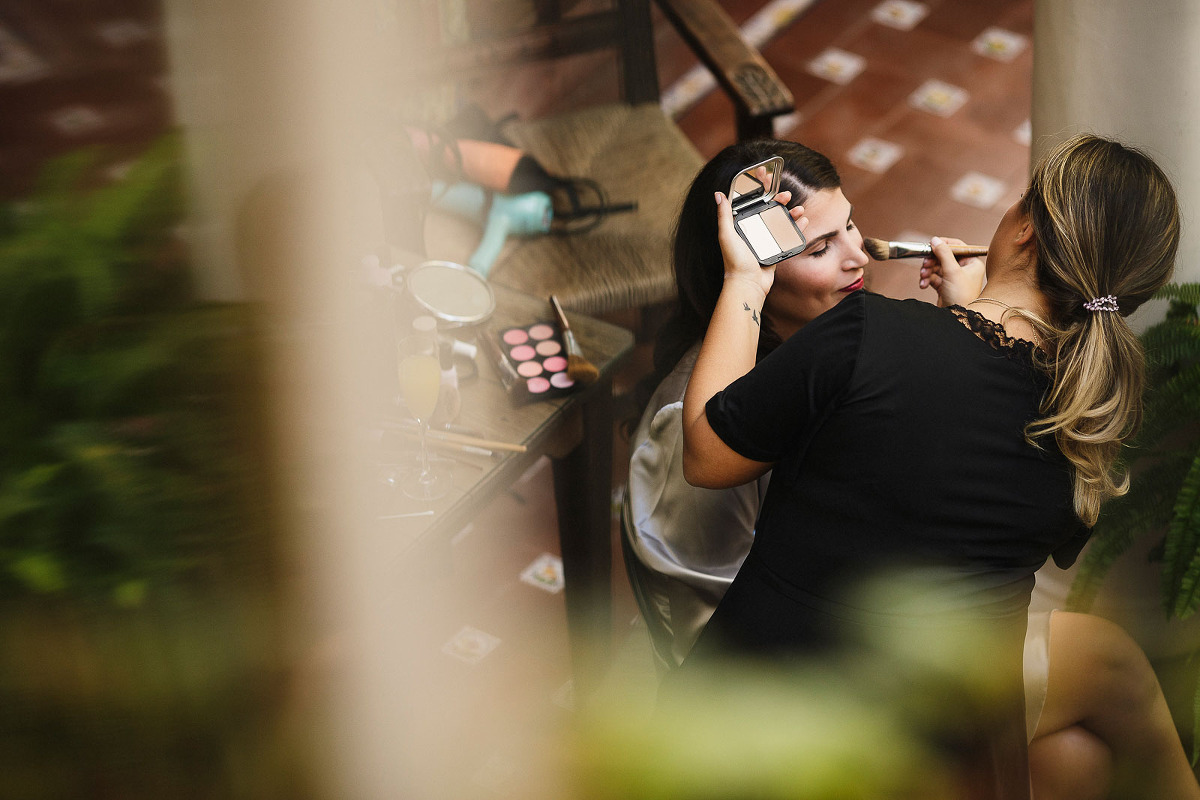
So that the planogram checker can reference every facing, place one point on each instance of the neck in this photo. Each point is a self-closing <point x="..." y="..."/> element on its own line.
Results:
<point x="782" y="328"/>
<point x="997" y="300"/>
<point x="1018" y="293"/>
<point x="1013" y="280"/>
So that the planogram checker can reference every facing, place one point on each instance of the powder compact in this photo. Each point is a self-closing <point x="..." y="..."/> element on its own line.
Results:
<point x="531" y="361"/>
<point x="456" y="295"/>
<point x="763" y="222"/>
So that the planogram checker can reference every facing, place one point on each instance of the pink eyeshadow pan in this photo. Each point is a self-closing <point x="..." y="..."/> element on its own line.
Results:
<point x="536" y="356"/>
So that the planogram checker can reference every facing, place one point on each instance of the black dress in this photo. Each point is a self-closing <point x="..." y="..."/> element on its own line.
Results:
<point x="897" y="435"/>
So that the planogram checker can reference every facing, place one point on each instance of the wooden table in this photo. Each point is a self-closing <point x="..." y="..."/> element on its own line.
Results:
<point x="576" y="432"/>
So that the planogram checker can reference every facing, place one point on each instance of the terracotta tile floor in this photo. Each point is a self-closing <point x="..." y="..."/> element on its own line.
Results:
<point x="74" y="75"/>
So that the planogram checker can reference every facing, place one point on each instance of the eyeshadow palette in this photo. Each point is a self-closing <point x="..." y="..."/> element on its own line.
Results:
<point x="762" y="222"/>
<point x="531" y="360"/>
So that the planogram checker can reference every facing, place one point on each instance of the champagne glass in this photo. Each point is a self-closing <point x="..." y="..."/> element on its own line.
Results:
<point x="420" y="381"/>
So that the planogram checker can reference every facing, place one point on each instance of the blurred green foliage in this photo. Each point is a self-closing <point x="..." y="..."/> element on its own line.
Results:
<point x="125" y="439"/>
<point x="141" y="637"/>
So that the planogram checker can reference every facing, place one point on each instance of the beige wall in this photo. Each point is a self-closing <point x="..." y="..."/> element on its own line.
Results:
<point x="1129" y="70"/>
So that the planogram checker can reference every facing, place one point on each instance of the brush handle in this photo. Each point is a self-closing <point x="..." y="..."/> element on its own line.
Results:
<point x="572" y="346"/>
<point x="578" y="367"/>
<point x="462" y="439"/>
<point x="924" y="249"/>
<point x="562" y="318"/>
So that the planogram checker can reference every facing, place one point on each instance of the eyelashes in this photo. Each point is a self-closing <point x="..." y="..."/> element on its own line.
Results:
<point x="825" y="247"/>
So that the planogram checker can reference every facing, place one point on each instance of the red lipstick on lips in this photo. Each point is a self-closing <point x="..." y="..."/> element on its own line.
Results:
<point x="858" y="284"/>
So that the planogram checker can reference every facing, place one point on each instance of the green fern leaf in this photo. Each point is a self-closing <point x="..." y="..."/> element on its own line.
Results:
<point x="1170" y="343"/>
<point x="1186" y="600"/>
<point x="1181" y="560"/>
<point x="1187" y="293"/>
<point x="1172" y="403"/>
<point x="1144" y="510"/>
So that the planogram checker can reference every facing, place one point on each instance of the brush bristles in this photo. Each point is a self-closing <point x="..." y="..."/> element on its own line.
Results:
<point x="580" y="370"/>
<point x="877" y="249"/>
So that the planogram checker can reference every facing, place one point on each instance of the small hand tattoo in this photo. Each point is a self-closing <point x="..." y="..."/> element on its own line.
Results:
<point x="753" y="313"/>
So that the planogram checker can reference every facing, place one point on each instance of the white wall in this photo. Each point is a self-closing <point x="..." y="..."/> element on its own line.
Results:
<point x="1129" y="70"/>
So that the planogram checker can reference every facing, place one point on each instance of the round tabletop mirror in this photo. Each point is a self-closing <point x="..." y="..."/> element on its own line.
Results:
<point x="453" y="293"/>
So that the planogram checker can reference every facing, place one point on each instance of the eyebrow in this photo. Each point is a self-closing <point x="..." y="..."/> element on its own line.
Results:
<point x="829" y="235"/>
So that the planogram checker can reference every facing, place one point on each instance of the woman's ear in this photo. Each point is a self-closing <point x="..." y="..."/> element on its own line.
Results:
<point x="1024" y="232"/>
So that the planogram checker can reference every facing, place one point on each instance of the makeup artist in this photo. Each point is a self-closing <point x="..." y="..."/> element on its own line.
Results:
<point x="876" y="391"/>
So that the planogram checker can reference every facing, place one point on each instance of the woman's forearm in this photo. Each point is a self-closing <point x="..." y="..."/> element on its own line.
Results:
<point x="728" y="353"/>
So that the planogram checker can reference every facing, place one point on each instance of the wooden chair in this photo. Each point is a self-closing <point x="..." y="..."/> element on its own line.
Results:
<point x="631" y="147"/>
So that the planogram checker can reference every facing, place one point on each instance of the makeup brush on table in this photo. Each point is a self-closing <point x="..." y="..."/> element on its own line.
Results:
<point x="882" y="250"/>
<point x="579" y="369"/>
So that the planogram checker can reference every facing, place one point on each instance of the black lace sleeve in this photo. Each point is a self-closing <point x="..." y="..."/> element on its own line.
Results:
<point x="994" y="334"/>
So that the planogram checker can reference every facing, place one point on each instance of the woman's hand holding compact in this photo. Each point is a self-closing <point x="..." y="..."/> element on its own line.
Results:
<point x="740" y="262"/>
<point x="957" y="282"/>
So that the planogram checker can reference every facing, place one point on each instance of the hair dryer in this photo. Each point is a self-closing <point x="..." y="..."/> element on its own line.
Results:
<point x="501" y="215"/>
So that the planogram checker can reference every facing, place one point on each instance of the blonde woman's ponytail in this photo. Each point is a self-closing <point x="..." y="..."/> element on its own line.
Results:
<point x="1106" y="226"/>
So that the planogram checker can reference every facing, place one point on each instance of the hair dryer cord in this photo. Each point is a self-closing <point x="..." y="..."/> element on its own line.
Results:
<point x="580" y="205"/>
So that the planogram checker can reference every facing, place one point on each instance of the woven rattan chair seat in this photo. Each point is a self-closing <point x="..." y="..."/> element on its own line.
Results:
<point x="635" y="153"/>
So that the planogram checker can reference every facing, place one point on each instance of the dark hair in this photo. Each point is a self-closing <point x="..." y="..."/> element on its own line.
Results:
<point x="699" y="267"/>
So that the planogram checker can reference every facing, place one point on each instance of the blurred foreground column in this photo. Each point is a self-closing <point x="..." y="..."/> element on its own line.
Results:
<point x="282" y="102"/>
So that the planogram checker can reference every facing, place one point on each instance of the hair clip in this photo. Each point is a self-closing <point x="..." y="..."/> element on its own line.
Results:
<point x="1106" y="303"/>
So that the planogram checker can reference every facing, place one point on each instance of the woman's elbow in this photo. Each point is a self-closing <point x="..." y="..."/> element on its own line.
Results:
<point x="697" y="472"/>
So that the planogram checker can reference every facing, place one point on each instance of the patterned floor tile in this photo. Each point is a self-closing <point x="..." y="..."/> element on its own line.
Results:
<point x="938" y="97"/>
<point x="902" y="15"/>
<point x="977" y="189"/>
<point x="999" y="44"/>
<point x="875" y="155"/>
<point x="837" y="66"/>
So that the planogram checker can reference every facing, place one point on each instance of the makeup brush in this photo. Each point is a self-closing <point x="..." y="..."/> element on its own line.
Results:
<point x="579" y="369"/>
<point x="882" y="250"/>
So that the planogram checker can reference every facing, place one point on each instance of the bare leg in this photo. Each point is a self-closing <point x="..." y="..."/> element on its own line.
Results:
<point x="1070" y="764"/>
<point x="1101" y="683"/>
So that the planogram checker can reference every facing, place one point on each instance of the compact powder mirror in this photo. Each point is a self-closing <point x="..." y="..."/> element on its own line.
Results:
<point x="762" y="221"/>
<point x="453" y="293"/>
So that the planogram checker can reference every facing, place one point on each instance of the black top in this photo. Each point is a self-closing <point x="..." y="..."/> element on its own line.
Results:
<point x="897" y="434"/>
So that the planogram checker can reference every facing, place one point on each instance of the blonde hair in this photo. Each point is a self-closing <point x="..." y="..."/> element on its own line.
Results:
<point x="1105" y="222"/>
